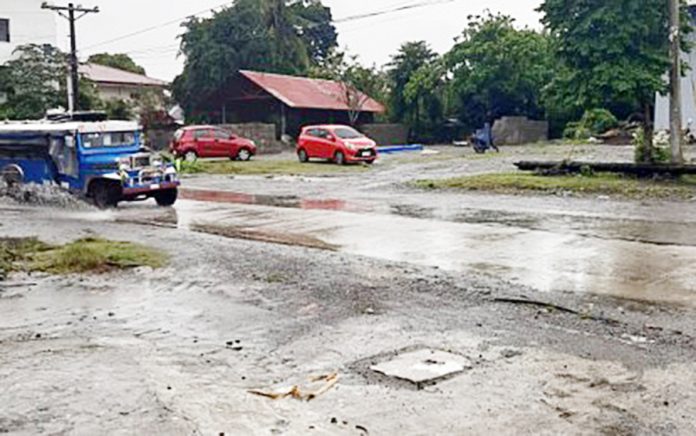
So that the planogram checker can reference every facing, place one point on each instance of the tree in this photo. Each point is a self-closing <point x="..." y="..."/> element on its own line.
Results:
<point x="33" y="82"/>
<point x="498" y="70"/>
<point x="411" y="57"/>
<point x="425" y="94"/>
<point x="613" y="54"/>
<point x="277" y="36"/>
<point x="357" y="83"/>
<point x="120" y="61"/>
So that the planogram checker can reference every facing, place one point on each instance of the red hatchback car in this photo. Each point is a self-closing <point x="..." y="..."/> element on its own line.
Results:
<point x="342" y="144"/>
<point x="210" y="141"/>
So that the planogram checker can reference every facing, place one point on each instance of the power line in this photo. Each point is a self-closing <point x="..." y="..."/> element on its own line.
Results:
<point x="158" y="26"/>
<point x="394" y="9"/>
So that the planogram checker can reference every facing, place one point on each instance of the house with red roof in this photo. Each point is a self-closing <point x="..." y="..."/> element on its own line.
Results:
<point x="290" y="102"/>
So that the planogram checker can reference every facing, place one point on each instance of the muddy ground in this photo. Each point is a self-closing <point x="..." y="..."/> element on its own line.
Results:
<point x="352" y="270"/>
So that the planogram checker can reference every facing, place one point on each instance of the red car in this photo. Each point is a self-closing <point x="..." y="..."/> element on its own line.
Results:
<point x="342" y="144"/>
<point x="210" y="141"/>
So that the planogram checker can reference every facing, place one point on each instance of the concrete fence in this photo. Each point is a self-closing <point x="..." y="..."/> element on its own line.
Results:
<point x="264" y="135"/>
<point x="519" y="130"/>
<point x="387" y="134"/>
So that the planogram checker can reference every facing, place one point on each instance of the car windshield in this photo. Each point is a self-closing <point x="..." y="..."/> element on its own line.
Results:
<point x="347" y="133"/>
<point x="108" y="139"/>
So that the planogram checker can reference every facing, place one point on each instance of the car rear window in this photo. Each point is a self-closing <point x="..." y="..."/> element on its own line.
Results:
<point x="178" y="134"/>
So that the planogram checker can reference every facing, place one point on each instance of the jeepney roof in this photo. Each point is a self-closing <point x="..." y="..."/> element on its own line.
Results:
<point x="71" y="126"/>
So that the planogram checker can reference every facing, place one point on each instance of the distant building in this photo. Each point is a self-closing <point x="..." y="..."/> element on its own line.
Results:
<point x="115" y="84"/>
<point x="24" y="22"/>
<point x="289" y="102"/>
<point x="688" y="88"/>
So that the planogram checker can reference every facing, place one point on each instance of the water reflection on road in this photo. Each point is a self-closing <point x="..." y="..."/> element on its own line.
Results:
<point x="586" y="255"/>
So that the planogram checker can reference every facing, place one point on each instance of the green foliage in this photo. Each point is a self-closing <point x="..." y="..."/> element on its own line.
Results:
<point x="80" y="256"/>
<point x="600" y="184"/>
<point x="645" y="152"/>
<point x="499" y="70"/>
<point x="120" y="61"/>
<point x="33" y="81"/>
<point x="612" y="54"/>
<point x="118" y="110"/>
<point x="359" y="82"/>
<point x="411" y="57"/>
<point x="594" y="122"/>
<point x="275" y="36"/>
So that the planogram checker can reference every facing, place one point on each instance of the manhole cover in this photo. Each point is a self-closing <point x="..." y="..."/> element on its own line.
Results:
<point x="423" y="366"/>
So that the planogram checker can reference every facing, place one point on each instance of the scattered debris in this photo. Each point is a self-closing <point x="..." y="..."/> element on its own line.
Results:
<point x="423" y="366"/>
<point x="329" y="380"/>
<point x="536" y="303"/>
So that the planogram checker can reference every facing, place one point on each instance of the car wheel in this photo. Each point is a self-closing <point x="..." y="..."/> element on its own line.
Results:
<point x="302" y="156"/>
<point x="243" y="154"/>
<point x="104" y="194"/>
<point x="370" y="162"/>
<point x="340" y="158"/>
<point x="167" y="197"/>
<point x="191" y="156"/>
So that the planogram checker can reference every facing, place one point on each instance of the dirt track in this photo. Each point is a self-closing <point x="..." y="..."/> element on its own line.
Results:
<point x="175" y="351"/>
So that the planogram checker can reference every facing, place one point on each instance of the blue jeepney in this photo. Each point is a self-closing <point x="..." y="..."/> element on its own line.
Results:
<point x="101" y="160"/>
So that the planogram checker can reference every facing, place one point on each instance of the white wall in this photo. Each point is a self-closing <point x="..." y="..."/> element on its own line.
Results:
<point x="29" y="24"/>
<point x="688" y="84"/>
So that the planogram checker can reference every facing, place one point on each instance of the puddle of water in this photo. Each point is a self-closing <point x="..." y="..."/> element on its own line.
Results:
<point x="272" y="200"/>
<point x="544" y="260"/>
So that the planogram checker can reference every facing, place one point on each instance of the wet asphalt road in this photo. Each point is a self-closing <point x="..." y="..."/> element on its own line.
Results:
<point x="175" y="351"/>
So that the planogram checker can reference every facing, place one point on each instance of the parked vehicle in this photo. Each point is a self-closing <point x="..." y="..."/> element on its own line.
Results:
<point x="195" y="142"/>
<point x="342" y="144"/>
<point x="482" y="140"/>
<point x="102" y="160"/>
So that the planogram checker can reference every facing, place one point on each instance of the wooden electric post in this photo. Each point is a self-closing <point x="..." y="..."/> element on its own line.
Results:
<point x="675" y="97"/>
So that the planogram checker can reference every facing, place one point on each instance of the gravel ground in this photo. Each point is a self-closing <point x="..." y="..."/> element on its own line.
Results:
<point x="175" y="351"/>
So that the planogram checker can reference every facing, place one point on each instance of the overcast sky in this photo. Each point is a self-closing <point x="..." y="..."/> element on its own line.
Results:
<point x="374" y="39"/>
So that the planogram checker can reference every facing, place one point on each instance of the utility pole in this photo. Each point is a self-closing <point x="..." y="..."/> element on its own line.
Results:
<point x="71" y="9"/>
<point x="675" y="97"/>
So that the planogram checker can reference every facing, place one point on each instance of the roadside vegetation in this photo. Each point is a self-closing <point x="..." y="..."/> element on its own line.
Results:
<point x="268" y="167"/>
<point x="87" y="255"/>
<point x="600" y="184"/>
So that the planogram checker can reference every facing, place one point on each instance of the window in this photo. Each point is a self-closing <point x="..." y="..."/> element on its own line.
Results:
<point x="108" y="139"/>
<point x="347" y="133"/>
<point x="323" y="134"/>
<point x="221" y="134"/>
<point x="4" y="30"/>
<point x="201" y="133"/>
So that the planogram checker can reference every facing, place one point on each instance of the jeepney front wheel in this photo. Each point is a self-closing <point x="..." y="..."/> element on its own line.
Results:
<point x="105" y="193"/>
<point x="167" y="197"/>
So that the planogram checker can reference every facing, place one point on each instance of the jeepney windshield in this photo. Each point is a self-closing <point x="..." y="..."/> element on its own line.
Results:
<point x="108" y="139"/>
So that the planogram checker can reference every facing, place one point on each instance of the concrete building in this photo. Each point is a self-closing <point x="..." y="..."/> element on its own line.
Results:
<point x="115" y="84"/>
<point x="24" y="22"/>
<point x="688" y="88"/>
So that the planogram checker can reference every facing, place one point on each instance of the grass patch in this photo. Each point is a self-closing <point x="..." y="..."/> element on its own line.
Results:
<point x="269" y="167"/>
<point x="602" y="184"/>
<point x="81" y="256"/>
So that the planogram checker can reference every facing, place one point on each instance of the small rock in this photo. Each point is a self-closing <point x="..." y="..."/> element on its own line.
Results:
<point x="334" y="421"/>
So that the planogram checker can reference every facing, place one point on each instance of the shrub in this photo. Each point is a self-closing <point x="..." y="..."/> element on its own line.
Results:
<point x="593" y="122"/>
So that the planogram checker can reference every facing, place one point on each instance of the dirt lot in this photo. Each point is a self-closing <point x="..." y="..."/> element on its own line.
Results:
<point x="334" y="274"/>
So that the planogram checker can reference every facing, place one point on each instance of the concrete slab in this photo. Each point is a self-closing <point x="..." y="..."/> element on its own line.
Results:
<point x="423" y="366"/>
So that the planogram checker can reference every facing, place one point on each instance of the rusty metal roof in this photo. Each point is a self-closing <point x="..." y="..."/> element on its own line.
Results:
<point x="306" y="93"/>
<point x="113" y="76"/>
